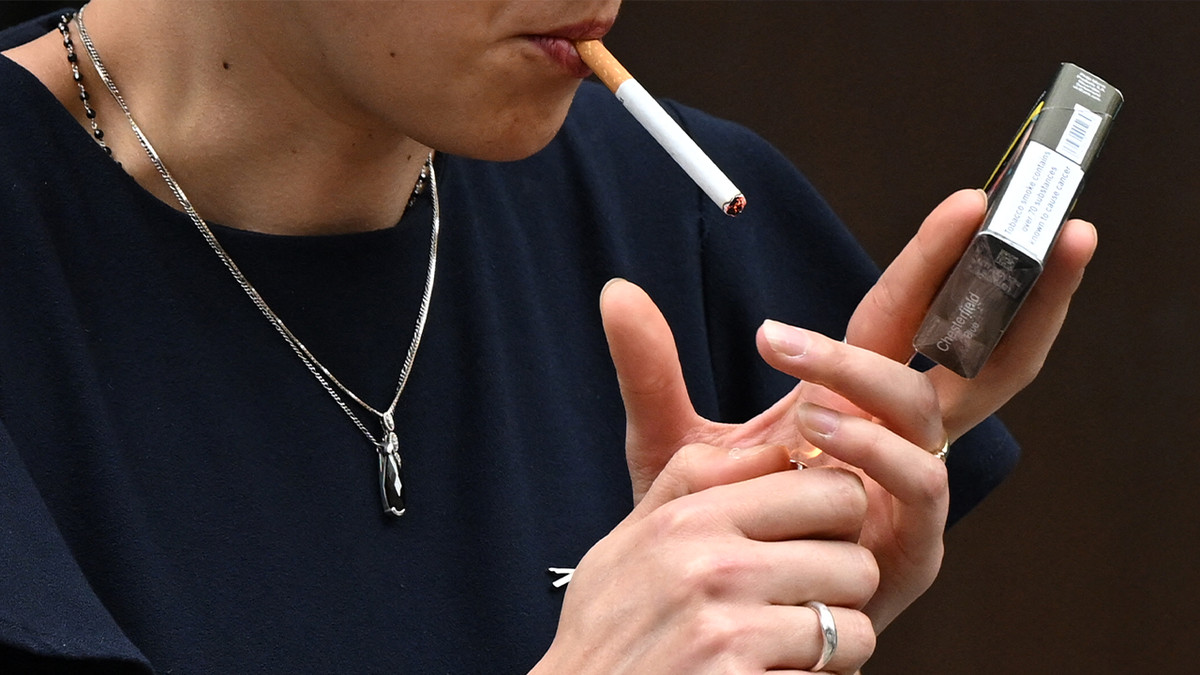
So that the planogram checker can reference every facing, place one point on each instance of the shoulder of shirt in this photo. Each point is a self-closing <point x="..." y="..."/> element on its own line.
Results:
<point x="24" y="32"/>
<point x="31" y="119"/>
<point x="22" y="90"/>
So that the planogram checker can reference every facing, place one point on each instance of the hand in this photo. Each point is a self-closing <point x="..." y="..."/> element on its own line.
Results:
<point x="709" y="572"/>
<point x="905" y="533"/>
<point x="888" y="317"/>
<point x="905" y="484"/>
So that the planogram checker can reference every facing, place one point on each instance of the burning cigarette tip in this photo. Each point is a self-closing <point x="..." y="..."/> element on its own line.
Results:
<point x="734" y="206"/>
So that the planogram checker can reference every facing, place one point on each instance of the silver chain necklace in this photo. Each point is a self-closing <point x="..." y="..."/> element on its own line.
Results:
<point x="387" y="444"/>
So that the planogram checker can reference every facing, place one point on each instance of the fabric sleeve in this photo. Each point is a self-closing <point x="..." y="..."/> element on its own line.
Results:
<point x="789" y="258"/>
<point x="50" y="620"/>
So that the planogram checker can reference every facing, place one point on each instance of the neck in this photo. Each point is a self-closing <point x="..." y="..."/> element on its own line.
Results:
<point x="257" y="141"/>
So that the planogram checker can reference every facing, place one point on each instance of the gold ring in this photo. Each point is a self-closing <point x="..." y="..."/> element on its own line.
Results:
<point x="945" y="450"/>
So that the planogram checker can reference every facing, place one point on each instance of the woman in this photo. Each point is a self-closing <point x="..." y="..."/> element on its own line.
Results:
<point x="192" y="469"/>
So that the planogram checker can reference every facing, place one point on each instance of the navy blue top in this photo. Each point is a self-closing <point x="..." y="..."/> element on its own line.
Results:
<point x="179" y="495"/>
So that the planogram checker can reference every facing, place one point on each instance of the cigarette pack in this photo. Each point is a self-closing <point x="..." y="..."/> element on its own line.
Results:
<point x="1030" y="195"/>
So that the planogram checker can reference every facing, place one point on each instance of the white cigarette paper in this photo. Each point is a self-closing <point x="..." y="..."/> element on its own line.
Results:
<point x="662" y="127"/>
<point x="679" y="145"/>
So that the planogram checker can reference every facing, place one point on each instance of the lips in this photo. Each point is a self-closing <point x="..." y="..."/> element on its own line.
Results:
<point x="562" y="52"/>
<point x="558" y="44"/>
<point x="584" y="30"/>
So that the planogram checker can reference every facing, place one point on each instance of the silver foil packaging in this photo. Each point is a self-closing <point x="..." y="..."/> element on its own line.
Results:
<point x="1030" y="195"/>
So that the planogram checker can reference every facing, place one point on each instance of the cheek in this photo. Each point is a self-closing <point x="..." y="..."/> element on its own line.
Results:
<point x="456" y="77"/>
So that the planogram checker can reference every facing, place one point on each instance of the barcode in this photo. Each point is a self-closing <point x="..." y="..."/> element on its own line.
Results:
<point x="1077" y="139"/>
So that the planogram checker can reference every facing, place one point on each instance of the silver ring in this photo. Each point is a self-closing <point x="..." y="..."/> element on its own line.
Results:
<point x="828" y="633"/>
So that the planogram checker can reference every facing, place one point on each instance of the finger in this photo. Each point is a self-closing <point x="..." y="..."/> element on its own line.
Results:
<point x="890" y="314"/>
<point x="909" y="473"/>
<point x="658" y="409"/>
<point x="1020" y="355"/>
<point x="917" y="502"/>
<point x="821" y="503"/>
<point x="698" y="467"/>
<point x="902" y="398"/>
<point x="800" y="643"/>
<point x="778" y="573"/>
<point x="783" y="639"/>
<point x="792" y="572"/>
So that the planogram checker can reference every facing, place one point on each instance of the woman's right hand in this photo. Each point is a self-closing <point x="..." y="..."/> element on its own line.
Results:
<point x="710" y="571"/>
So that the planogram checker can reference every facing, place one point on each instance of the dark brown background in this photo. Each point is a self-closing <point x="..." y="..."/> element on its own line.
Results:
<point x="1083" y="560"/>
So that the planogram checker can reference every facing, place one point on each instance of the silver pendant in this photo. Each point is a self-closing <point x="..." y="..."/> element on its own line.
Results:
<point x="391" y="484"/>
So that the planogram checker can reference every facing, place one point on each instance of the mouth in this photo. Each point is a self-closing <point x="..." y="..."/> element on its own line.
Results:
<point x="559" y="45"/>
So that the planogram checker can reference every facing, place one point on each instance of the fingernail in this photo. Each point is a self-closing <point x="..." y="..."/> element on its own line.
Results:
<point x="742" y="453"/>
<point x="785" y="339"/>
<point x="608" y="283"/>
<point x="821" y="420"/>
<point x="983" y="194"/>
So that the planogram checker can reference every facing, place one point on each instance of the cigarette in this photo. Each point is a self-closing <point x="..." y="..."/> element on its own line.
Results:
<point x="669" y="135"/>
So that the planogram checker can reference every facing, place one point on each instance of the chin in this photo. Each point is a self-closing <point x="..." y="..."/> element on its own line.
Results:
<point x="515" y="146"/>
<point x="512" y="134"/>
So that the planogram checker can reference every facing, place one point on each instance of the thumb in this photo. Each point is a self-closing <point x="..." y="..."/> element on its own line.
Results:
<point x="698" y="467"/>
<point x="658" y="411"/>
<point x="890" y="314"/>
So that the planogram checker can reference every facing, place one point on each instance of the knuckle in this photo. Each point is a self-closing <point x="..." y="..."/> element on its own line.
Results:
<point x="848" y="491"/>
<point x="933" y="484"/>
<point x="693" y="457"/>
<point x="685" y="469"/>
<point x="1031" y="370"/>
<point x="716" y="633"/>
<point x="711" y="575"/>
<point x="868" y="569"/>
<point x="649" y="384"/>
<point x="928" y="404"/>
<point x="688" y="457"/>
<point x="680" y="518"/>
<point x="843" y="359"/>
<point x="1021" y="364"/>
<point x="886" y="298"/>
<point x="856" y="634"/>
<point x="878" y="437"/>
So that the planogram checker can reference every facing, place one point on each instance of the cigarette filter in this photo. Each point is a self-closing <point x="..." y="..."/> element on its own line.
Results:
<point x="665" y="130"/>
<point x="1030" y="195"/>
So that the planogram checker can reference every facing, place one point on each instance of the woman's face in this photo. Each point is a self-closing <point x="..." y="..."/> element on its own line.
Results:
<point x="485" y="79"/>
